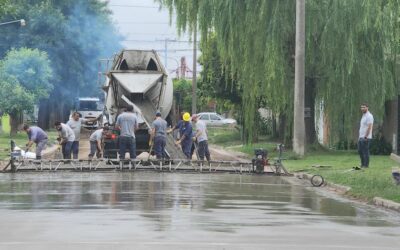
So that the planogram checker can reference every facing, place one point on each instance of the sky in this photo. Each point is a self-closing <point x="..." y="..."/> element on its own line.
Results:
<point x="145" y="26"/>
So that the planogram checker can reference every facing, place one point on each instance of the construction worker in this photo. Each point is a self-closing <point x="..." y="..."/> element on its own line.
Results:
<point x="127" y="123"/>
<point x="75" y="123"/>
<point x="201" y="138"/>
<point x="38" y="136"/>
<point x="186" y="136"/>
<point x="159" y="134"/>
<point x="65" y="137"/>
<point x="177" y="126"/>
<point x="95" y="142"/>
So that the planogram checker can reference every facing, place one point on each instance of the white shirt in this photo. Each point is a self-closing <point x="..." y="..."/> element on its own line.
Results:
<point x="67" y="133"/>
<point x="76" y="127"/>
<point x="96" y="136"/>
<point x="201" y="127"/>
<point x="366" y="120"/>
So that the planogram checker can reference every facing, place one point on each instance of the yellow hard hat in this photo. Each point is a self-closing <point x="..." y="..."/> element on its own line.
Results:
<point x="186" y="117"/>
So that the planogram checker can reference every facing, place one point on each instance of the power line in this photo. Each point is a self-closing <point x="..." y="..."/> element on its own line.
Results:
<point x="156" y="41"/>
<point x="144" y="23"/>
<point x="134" y="6"/>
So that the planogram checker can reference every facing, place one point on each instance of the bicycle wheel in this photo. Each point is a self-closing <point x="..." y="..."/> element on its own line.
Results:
<point x="317" y="180"/>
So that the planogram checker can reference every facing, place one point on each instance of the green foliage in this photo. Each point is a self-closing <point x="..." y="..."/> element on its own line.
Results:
<point x="4" y="8"/>
<point x="14" y="98"/>
<point x="74" y="33"/>
<point x="183" y="94"/>
<point x="224" y="136"/>
<point x="379" y="146"/>
<point x="31" y="68"/>
<point x="345" y="145"/>
<point x="24" y="78"/>
<point x="351" y="49"/>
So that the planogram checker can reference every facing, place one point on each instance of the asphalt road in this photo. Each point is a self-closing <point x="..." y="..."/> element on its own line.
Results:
<point x="150" y="210"/>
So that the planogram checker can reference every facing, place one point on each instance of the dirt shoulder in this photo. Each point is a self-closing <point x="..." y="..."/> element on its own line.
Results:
<point x="224" y="154"/>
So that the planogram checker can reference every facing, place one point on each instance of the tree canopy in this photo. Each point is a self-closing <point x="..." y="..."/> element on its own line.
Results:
<point x="351" y="49"/>
<point x="75" y="34"/>
<point x="31" y="68"/>
<point x="25" y="77"/>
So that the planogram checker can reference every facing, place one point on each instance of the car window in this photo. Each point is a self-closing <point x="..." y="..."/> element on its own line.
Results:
<point x="214" y="117"/>
<point x="204" y="117"/>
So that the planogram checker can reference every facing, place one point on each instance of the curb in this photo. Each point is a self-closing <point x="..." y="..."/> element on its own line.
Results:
<point x="378" y="201"/>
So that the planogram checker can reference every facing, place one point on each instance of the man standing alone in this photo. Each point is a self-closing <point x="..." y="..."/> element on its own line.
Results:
<point x="365" y="135"/>
<point x="38" y="136"/>
<point x="158" y="132"/>
<point x="127" y="123"/>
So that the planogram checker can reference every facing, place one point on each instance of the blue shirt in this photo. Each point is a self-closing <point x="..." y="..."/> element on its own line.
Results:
<point x="160" y="127"/>
<point x="186" y="130"/>
<point x="36" y="134"/>
<point x="179" y="125"/>
<point x="127" y="121"/>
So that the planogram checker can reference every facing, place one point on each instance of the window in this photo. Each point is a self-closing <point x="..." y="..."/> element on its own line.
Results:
<point x="90" y="106"/>
<point x="215" y="117"/>
<point x="204" y="117"/>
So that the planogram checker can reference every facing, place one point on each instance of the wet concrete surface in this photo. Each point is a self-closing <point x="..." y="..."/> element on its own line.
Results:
<point x="150" y="210"/>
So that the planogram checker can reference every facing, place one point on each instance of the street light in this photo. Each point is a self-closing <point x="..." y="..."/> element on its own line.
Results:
<point x="22" y="22"/>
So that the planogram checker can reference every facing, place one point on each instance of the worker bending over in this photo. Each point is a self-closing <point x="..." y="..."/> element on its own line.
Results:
<point x="66" y="138"/>
<point x="95" y="142"/>
<point x="38" y="136"/>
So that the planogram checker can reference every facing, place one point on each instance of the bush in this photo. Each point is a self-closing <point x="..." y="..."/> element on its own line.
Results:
<point x="379" y="146"/>
<point x="345" y="145"/>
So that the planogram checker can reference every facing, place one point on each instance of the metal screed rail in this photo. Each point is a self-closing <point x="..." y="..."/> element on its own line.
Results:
<point x="19" y="165"/>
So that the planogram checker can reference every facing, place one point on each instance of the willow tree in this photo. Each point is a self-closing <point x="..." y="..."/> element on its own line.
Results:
<point x="349" y="54"/>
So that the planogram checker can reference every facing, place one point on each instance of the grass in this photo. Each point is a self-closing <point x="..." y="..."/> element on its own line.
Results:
<point x="365" y="184"/>
<point x="20" y="140"/>
<point x="224" y="136"/>
<point x="5" y="121"/>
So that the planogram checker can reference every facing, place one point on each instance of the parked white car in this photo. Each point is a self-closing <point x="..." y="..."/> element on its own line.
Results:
<point x="215" y="120"/>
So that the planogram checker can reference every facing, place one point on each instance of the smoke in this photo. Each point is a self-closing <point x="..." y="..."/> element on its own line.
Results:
<point x="96" y="38"/>
<point x="75" y="34"/>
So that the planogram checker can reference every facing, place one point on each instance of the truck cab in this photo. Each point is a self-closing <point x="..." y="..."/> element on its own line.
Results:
<point x="89" y="107"/>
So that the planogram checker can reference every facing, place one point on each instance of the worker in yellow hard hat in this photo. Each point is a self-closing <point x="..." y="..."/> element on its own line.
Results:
<point x="186" y="135"/>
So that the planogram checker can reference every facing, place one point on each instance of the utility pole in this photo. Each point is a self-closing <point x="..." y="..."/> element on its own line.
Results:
<point x="194" y="78"/>
<point x="298" y="122"/>
<point x="166" y="40"/>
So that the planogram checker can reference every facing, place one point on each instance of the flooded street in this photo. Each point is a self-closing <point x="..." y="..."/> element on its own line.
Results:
<point x="151" y="210"/>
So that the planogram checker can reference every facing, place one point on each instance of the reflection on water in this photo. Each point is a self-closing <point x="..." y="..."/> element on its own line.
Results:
<point x="216" y="202"/>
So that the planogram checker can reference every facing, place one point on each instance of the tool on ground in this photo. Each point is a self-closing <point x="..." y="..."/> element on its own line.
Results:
<point x="317" y="180"/>
<point x="196" y="151"/>
<point x="396" y="175"/>
<point x="151" y="148"/>
<point x="58" y="154"/>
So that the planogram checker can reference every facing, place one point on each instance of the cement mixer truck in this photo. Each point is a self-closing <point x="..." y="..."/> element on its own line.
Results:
<point x="138" y="78"/>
